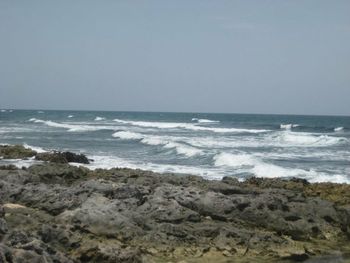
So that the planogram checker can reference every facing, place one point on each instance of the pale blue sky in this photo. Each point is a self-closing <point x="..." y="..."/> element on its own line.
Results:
<point x="201" y="56"/>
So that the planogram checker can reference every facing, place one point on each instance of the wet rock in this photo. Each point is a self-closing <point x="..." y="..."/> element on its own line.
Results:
<point x="15" y="152"/>
<point x="62" y="157"/>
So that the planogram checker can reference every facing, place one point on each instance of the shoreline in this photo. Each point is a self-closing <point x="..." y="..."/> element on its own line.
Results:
<point x="56" y="211"/>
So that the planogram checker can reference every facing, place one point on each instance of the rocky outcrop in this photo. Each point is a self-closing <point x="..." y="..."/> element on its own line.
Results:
<point x="60" y="213"/>
<point x="15" y="152"/>
<point x="20" y="152"/>
<point x="62" y="157"/>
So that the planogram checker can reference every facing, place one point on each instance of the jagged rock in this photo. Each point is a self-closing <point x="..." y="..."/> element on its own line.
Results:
<point x="55" y="212"/>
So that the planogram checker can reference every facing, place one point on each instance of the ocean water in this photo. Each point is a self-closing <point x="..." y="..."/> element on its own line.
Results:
<point x="316" y="148"/>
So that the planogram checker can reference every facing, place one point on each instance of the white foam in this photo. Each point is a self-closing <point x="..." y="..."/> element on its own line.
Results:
<point x="34" y="148"/>
<point x="14" y="129"/>
<point x="126" y="135"/>
<point x="338" y="129"/>
<point x="234" y="160"/>
<point x="108" y="162"/>
<point x="260" y="168"/>
<point x="99" y="118"/>
<point x="73" y="127"/>
<point x="204" y="120"/>
<point x="40" y="112"/>
<point x="188" y="126"/>
<point x="19" y="162"/>
<point x="70" y="116"/>
<point x="3" y="110"/>
<point x="158" y="140"/>
<point x="308" y="139"/>
<point x="289" y="126"/>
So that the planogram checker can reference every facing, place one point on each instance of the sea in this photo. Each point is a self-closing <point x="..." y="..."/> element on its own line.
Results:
<point x="316" y="148"/>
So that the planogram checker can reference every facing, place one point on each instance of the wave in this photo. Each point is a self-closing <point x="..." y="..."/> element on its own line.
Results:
<point x="3" y="110"/>
<point x="308" y="139"/>
<point x="34" y="148"/>
<point x="99" y="118"/>
<point x="158" y="140"/>
<point x="260" y="168"/>
<point x="338" y="129"/>
<point x="108" y="162"/>
<point x="70" y="116"/>
<point x="187" y="126"/>
<point x="288" y="126"/>
<point x="14" y="130"/>
<point x="204" y="120"/>
<point x="40" y="112"/>
<point x="126" y="135"/>
<point x="73" y="127"/>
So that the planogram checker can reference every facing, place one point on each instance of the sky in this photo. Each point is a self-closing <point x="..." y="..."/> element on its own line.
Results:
<point x="234" y="56"/>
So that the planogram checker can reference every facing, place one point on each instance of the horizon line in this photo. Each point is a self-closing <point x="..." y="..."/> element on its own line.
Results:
<point x="190" y="112"/>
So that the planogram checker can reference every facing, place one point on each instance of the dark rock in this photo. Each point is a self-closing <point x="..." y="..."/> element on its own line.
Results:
<point x="61" y="213"/>
<point x="62" y="157"/>
<point x="15" y="152"/>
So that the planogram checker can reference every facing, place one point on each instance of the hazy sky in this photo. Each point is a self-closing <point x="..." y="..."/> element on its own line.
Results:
<point x="209" y="56"/>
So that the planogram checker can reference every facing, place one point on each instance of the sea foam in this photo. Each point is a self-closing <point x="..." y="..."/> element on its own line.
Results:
<point x="188" y="126"/>
<point x="289" y="126"/>
<point x="158" y="140"/>
<point x="204" y="120"/>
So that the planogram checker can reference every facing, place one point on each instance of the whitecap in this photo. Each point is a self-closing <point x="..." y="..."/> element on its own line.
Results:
<point x="3" y="110"/>
<point x="234" y="160"/>
<point x="308" y="139"/>
<point x="204" y="120"/>
<point x="99" y="118"/>
<point x="180" y="148"/>
<point x="126" y="135"/>
<point x="288" y="126"/>
<point x="338" y="129"/>
<point x="188" y="126"/>
<point x="259" y="168"/>
<point x="70" y="116"/>
<point x="108" y="162"/>
<point x="73" y="127"/>
<point x="34" y="148"/>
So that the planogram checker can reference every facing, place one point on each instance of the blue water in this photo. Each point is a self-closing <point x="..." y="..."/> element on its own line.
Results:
<point x="316" y="148"/>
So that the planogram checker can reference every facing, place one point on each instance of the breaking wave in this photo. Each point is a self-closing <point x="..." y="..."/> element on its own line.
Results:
<point x="204" y="120"/>
<point x="308" y="139"/>
<point x="188" y="126"/>
<point x="158" y="140"/>
<point x="73" y="127"/>
<point x="338" y="129"/>
<point x="288" y="126"/>
<point x="259" y="168"/>
<point x="99" y="118"/>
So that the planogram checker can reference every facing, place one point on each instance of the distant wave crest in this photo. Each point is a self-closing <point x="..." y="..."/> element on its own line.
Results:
<point x="158" y="140"/>
<point x="204" y="120"/>
<point x="288" y="126"/>
<point x="187" y="126"/>
<point x="337" y="129"/>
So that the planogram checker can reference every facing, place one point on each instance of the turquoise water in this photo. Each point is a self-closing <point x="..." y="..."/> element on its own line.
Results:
<point x="316" y="148"/>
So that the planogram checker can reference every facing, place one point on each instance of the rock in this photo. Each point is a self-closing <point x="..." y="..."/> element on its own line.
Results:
<point x="55" y="212"/>
<point x="62" y="157"/>
<point x="15" y="152"/>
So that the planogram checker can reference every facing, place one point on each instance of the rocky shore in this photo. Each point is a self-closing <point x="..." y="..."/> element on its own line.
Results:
<point x="56" y="212"/>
